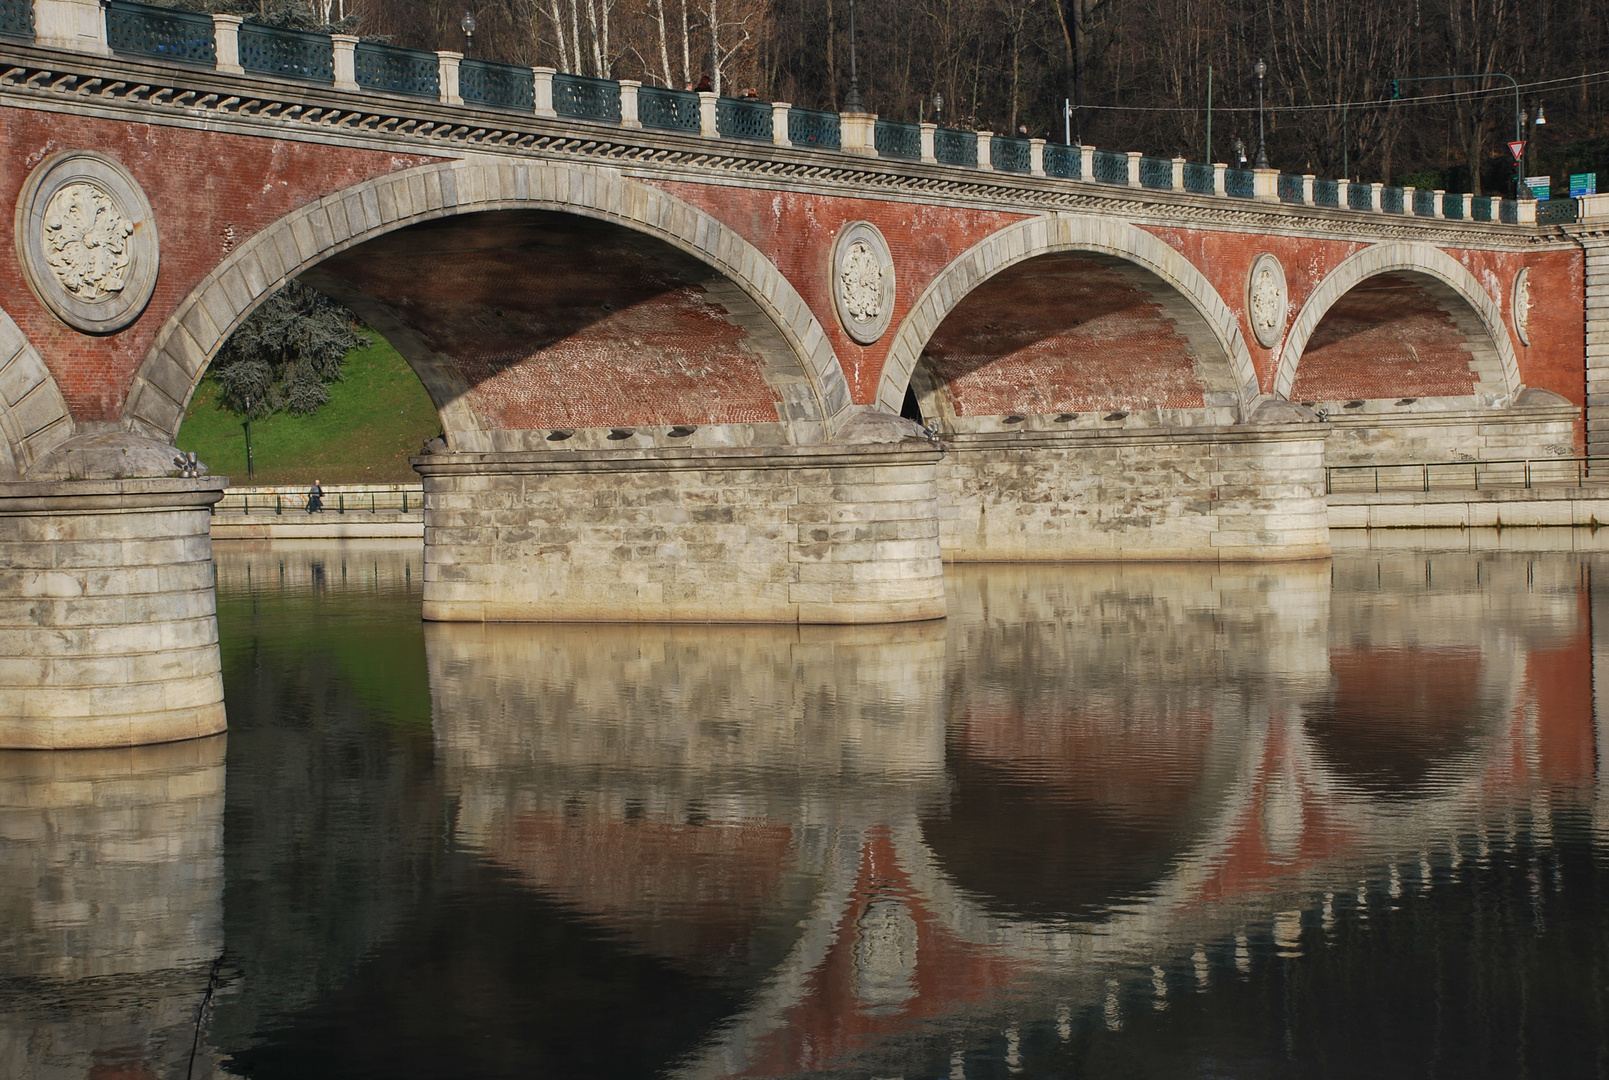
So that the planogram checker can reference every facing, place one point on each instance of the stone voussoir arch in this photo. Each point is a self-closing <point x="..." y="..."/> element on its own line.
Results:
<point x="1420" y="259"/>
<point x="1049" y="235"/>
<point x="251" y="273"/>
<point x="34" y="419"/>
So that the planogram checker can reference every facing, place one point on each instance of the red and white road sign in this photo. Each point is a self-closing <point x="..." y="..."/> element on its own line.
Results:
<point x="1517" y="149"/>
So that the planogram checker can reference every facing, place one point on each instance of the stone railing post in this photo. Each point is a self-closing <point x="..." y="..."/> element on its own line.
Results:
<point x="1086" y="163"/>
<point x="708" y="123"/>
<point x="1178" y="174"/>
<point x="78" y="25"/>
<point x="858" y="133"/>
<point x="1220" y="183"/>
<point x="1036" y="157"/>
<point x="1134" y="168"/>
<point x="929" y="137"/>
<point x="345" y="47"/>
<point x="1374" y="197"/>
<point x="226" y="38"/>
<point x="1342" y="194"/>
<point x="1469" y="207"/>
<point x="1590" y="207"/>
<point x="1307" y="188"/>
<point x="1440" y="209"/>
<point x="628" y="103"/>
<point x="543" y="79"/>
<point x="1525" y="212"/>
<point x="779" y="123"/>
<point x="1265" y="185"/>
<point x="1407" y="201"/>
<point x="447" y="76"/>
<point x="985" y="157"/>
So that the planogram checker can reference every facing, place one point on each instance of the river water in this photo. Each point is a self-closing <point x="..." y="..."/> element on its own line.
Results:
<point x="1336" y="819"/>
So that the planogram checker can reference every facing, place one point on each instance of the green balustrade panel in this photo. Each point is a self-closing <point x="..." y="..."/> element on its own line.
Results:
<point x="17" y="19"/>
<point x="1557" y="212"/>
<point x="1326" y="193"/>
<point x="952" y="146"/>
<point x="393" y="70"/>
<point x="287" y="54"/>
<point x="1240" y="183"/>
<point x="1200" y="178"/>
<point x="818" y="129"/>
<point x="668" y="110"/>
<point x="1063" y="161"/>
<point x="496" y="86"/>
<point x="1111" y="167"/>
<point x="1010" y="155"/>
<point x="736" y="118"/>
<point x="896" y="140"/>
<point x="181" y="37"/>
<point x="582" y="97"/>
<point x="1290" y="188"/>
<point x="1156" y="173"/>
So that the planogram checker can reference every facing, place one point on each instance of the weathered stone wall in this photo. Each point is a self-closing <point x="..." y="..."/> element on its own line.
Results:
<point x="776" y="534"/>
<point x="1226" y="493"/>
<point x="108" y="635"/>
<point x="1380" y="433"/>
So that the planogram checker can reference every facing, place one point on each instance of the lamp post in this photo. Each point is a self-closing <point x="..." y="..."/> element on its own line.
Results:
<point x="1261" y="70"/>
<point x="938" y="109"/>
<point x="251" y="470"/>
<point x="468" y="26"/>
<point x="852" y="102"/>
<point x="1240" y="152"/>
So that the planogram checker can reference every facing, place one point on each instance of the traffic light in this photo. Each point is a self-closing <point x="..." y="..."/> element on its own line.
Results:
<point x="1396" y="89"/>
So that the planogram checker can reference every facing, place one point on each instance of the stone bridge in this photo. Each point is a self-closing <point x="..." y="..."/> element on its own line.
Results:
<point x="694" y="358"/>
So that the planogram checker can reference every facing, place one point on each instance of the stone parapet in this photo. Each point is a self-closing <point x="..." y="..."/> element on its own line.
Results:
<point x="1236" y="493"/>
<point x="108" y="631"/>
<point x="844" y="534"/>
<point x="1367" y="436"/>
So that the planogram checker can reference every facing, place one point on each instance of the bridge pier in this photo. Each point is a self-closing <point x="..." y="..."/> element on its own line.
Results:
<point x="108" y="629"/>
<point x="818" y="534"/>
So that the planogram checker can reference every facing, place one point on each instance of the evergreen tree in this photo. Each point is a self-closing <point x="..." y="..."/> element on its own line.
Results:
<point x="282" y="356"/>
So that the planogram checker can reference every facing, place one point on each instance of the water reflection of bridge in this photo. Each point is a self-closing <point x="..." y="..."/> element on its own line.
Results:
<point x="1091" y="789"/>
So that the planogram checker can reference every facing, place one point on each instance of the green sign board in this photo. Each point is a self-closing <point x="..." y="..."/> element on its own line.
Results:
<point x="1541" y="187"/>
<point x="1585" y="183"/>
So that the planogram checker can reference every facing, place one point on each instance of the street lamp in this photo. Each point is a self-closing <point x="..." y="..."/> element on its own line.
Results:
<point x="468" y="25"/>
<point x="852" y="102"/>
<point x="1261" y="70"/>
<point x="1240" y="152"/>
<point x="938" y="108"/>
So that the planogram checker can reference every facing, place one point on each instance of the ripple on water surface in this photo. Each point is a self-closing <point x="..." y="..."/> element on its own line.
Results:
<point x="1319" y="819"/>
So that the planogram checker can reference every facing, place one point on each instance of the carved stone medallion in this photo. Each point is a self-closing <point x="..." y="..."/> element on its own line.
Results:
<point x="862" y="281"/>
<point x="87" y="241"/>
<point x="1267" y="301"/>
<point x="1520" y="306"/>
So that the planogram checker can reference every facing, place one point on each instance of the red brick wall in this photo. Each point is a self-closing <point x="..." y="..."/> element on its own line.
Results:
<point x="1062" y="333"/>
<point x="796" y="230"/>
<point x="209" y="191"/>
<point x="557" y="321"/>
<point x="1386" y="338"/>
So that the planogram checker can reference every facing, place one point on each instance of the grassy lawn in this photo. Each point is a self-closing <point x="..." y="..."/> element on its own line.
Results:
<point x="375" y="419"/>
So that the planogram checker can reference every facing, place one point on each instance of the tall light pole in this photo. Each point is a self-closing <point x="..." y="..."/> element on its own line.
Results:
<point x="468" y="26"/>
<point x="852" y="102"/>
<point x="1261" y="69"/>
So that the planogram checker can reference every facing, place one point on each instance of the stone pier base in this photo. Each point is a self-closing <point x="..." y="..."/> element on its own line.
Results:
<point x="835" y="534"/>
<point x="1235" y="493"/>
<point x="108" y="631"/>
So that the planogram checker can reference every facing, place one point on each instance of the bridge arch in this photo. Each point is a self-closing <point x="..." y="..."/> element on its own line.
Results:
<point x="1435" y="272"/>
<point x="1055" y="234"/>
<point x="33" y="414"/>
<point x="373" y="209"/>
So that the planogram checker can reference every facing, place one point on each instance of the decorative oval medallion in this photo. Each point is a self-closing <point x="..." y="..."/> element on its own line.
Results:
<point x="1266" y="300"/>
<point x="863" y="281"/>
<point x="87" y="241"/>
<point x="1520" y="305"/>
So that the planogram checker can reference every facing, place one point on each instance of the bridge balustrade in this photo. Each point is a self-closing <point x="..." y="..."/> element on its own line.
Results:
<point x="817" y="128"/>
<point x="1156" y="173"/>
<point x="1390" y="200"/>
<point x="1111" y="167"/>
<point x="17" y="19"/>
<point x="1360" y="197"/>
<point x="739" y="119"/>
<point x="1240" y="183"/>
<point x="287" y="54"/>
<point x="1480" y="208"/>
<point x="1063" y="161"/>
<point x="498" y="86"/>
<point x="1452" y="206"/>
<point x="1291" y="188"/>
<point x="669" y="110"/>
<point x="1557" y="212"/>
<point x="1424" y="202"/>
<point x="395" y="70"/>
<point x="1199" y="178"/>
<point x="896" y="140"/>
<point x="1009" y="155"/>
<point x="1508" y="212"/>
<point x="183" y="37"/>
<point x="1326" y="193"/>
<point x="952" y="146"/>
<point x="583" y="97"/>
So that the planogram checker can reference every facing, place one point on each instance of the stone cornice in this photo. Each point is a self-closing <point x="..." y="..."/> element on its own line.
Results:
<point x="130" y="90"/>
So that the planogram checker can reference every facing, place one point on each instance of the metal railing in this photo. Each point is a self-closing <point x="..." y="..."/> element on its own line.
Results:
<point x="1452" y="206"/>
<point x="952" y="146"/>
<point x="1424" y="202"/>
<point x="1508" y="212"/>
<point x="1200" y="178"/>
<point x="184" y="37"/>
<point x="1480" y="208"/>
<point x="1557" y="212"/>
<point x="1063" y="161"/>
<point x="818" y="128"/>
<point x="1156" y="173"/>
<point x="394" y="70"/>
<point x="287" y="54"/>
<point x="1326" y="193"/>
<point x="1291" y="189"/>
<point x="1010" y="155"/>
<point x="1512" y="473"/>
<point x="499" y="86"/>
<point x="667" y="110"/>
<point x="1360" y="197"/>
<point x="739" y="119"/>
<point x="338" y="499"/>
<point x="17" y="19"/>
<point x="1240" y="183"/>
<point x="1110" y="167"/>
<point x="1391" y="200"/>
<point x="582" y="97"/>
<point x="896" y="140"/>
